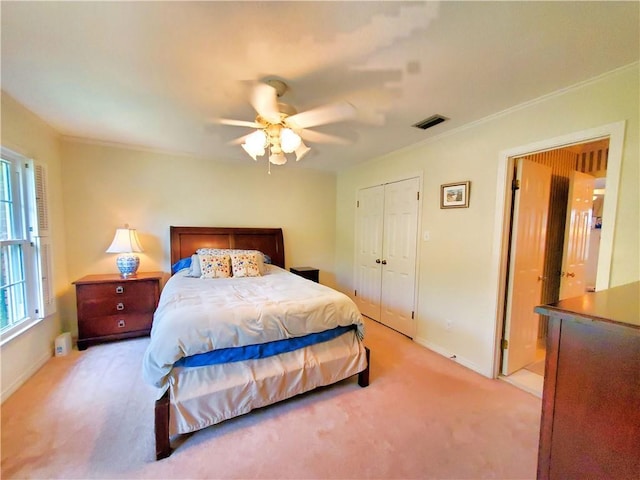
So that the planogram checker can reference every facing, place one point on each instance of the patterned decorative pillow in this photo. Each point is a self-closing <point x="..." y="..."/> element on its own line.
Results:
<point x="215" y="266"/>
<point x="245" y="264"/>
<point x="230" y="251"/>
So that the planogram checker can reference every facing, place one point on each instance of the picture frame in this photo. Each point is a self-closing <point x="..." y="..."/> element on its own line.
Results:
<point x="455" y="195"/>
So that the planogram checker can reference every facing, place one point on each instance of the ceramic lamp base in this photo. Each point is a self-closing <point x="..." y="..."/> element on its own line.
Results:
<point x="127" y="264"/>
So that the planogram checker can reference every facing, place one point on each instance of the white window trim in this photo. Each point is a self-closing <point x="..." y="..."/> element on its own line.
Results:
<point x="37" y="264"/>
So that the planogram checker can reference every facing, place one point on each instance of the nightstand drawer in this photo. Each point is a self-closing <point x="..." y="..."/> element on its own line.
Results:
<point x="98" y="307"/>
<point x="115" y="290"/>
<point x="115" y="324"/>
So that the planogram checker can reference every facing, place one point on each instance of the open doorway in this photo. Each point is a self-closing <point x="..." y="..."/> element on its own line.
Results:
<point x="564" y="261"/>
<point x="615" y="132"/>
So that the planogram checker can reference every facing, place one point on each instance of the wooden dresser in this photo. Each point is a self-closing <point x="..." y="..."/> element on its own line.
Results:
<point x="591" y="398"/>
<point x="112" y="308"/>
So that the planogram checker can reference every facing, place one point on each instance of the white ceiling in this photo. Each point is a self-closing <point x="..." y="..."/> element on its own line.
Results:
<point x="154" y="74"/>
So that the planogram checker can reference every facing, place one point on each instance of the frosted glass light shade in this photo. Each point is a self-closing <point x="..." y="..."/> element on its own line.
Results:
<point x="301" y="151"/>
<point x="255" y="143"/>
<point x="289" y="140"/>
<point x="278" y="158"/>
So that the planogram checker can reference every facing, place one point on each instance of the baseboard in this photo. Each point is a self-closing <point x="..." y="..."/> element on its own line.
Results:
<point x="7" y="392"/>
<point x="452" y="356"/>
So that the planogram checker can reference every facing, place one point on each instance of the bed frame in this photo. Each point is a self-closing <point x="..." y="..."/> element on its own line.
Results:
<point x="184" y="243"/>
<point x="186" y="240"/>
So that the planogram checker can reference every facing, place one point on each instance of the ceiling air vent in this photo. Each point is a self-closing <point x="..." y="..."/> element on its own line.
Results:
<point x="430" y="122"/>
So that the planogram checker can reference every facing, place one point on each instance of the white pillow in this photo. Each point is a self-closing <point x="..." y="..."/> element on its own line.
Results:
<point x="195" y="267"/>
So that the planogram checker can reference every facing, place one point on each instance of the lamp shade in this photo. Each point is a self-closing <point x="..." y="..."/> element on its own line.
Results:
<point x="125" y="242"/>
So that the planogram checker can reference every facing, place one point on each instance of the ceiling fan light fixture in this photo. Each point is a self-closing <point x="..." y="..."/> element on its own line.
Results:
<point x="301" y="151"/>
<point x="278" y="126"/>
<point x="256" y="142"/>
<point x="278" y="158"/>
<point x="252" y="153"/>
<point x="289" y="140"/>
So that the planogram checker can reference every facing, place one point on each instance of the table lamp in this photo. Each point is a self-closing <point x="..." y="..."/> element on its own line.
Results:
<point x="125" y="242"/>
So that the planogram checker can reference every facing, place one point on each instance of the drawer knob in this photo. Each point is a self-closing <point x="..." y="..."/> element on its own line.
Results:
<point x="120" y="306"/>
<point x="119" y="289"/>
<point x="121" y="323"/>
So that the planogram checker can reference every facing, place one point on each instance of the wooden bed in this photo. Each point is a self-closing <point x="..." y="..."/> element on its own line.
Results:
<point x="184" y="242"/>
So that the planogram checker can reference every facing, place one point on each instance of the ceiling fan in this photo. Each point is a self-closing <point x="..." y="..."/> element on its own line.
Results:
<point x="280" y="129"/>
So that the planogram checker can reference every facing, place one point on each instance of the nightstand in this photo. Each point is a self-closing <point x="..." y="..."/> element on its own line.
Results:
<point x="113" y="308"/>
<point x="309" y="273"/>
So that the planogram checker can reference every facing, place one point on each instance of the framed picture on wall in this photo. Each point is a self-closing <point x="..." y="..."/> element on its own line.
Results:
<point x="455" y="195"/>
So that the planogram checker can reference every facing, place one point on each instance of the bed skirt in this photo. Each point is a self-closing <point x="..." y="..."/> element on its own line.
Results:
<point x="203" y="396"/>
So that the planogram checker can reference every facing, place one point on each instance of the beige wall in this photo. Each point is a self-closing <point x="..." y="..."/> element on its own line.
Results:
<point x="26" y="134"/>
<point x="105" y="187"/>
<point x="455" y="265"/>
<point x="95" y="189"/>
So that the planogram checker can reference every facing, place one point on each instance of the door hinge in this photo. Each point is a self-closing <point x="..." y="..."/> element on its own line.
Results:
<point x="355" y="293"/>
<point x="358" y="204"/>
<point x="515" y="185"/>
<point x="412" y="315"/>
<point x="418" y="195"/>
<point x="504" y="344"/>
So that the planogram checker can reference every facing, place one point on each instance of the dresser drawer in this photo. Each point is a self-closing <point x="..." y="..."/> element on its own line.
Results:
<point x="115" y="324"/>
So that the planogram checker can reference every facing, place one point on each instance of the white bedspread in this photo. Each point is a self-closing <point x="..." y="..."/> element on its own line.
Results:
<point x="200" y="315"/>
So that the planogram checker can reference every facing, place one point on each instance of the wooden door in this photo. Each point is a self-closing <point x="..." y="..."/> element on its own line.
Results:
<point x="369" y="225"/>
<point x="576" y="238"/>
<point x="399" y="255"/>
<point x="526" y="264"/>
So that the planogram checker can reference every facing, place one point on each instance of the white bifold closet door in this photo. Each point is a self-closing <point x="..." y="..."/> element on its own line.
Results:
<point x="386" y="243"/>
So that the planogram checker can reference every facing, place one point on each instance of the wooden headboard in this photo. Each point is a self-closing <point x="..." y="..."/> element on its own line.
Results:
<point x="186" y="240"/>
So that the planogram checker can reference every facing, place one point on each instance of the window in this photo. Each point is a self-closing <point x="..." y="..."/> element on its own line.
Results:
<point x="25" y="296"/>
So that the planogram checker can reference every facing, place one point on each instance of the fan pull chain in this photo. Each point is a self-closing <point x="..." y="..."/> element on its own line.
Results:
<point x="269" y="161"/>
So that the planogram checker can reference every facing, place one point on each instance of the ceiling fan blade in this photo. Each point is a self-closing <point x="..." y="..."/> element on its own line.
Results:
<point x="334" y="112"/>
<point x="239" y="140"/>
<point x="317" y="137"/>
<point x="264" y="100"/>
<point x="238" y="123"/>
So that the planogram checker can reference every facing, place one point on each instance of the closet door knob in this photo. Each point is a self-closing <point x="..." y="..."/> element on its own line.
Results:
<point x="377" y="260"/>
<point x="384" y="262"/>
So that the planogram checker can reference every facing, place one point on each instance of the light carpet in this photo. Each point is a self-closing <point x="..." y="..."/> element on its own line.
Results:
<point x="89" y="415"/>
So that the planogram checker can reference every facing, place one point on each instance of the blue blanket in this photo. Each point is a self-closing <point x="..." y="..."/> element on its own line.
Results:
<point x="262" y="350"/>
